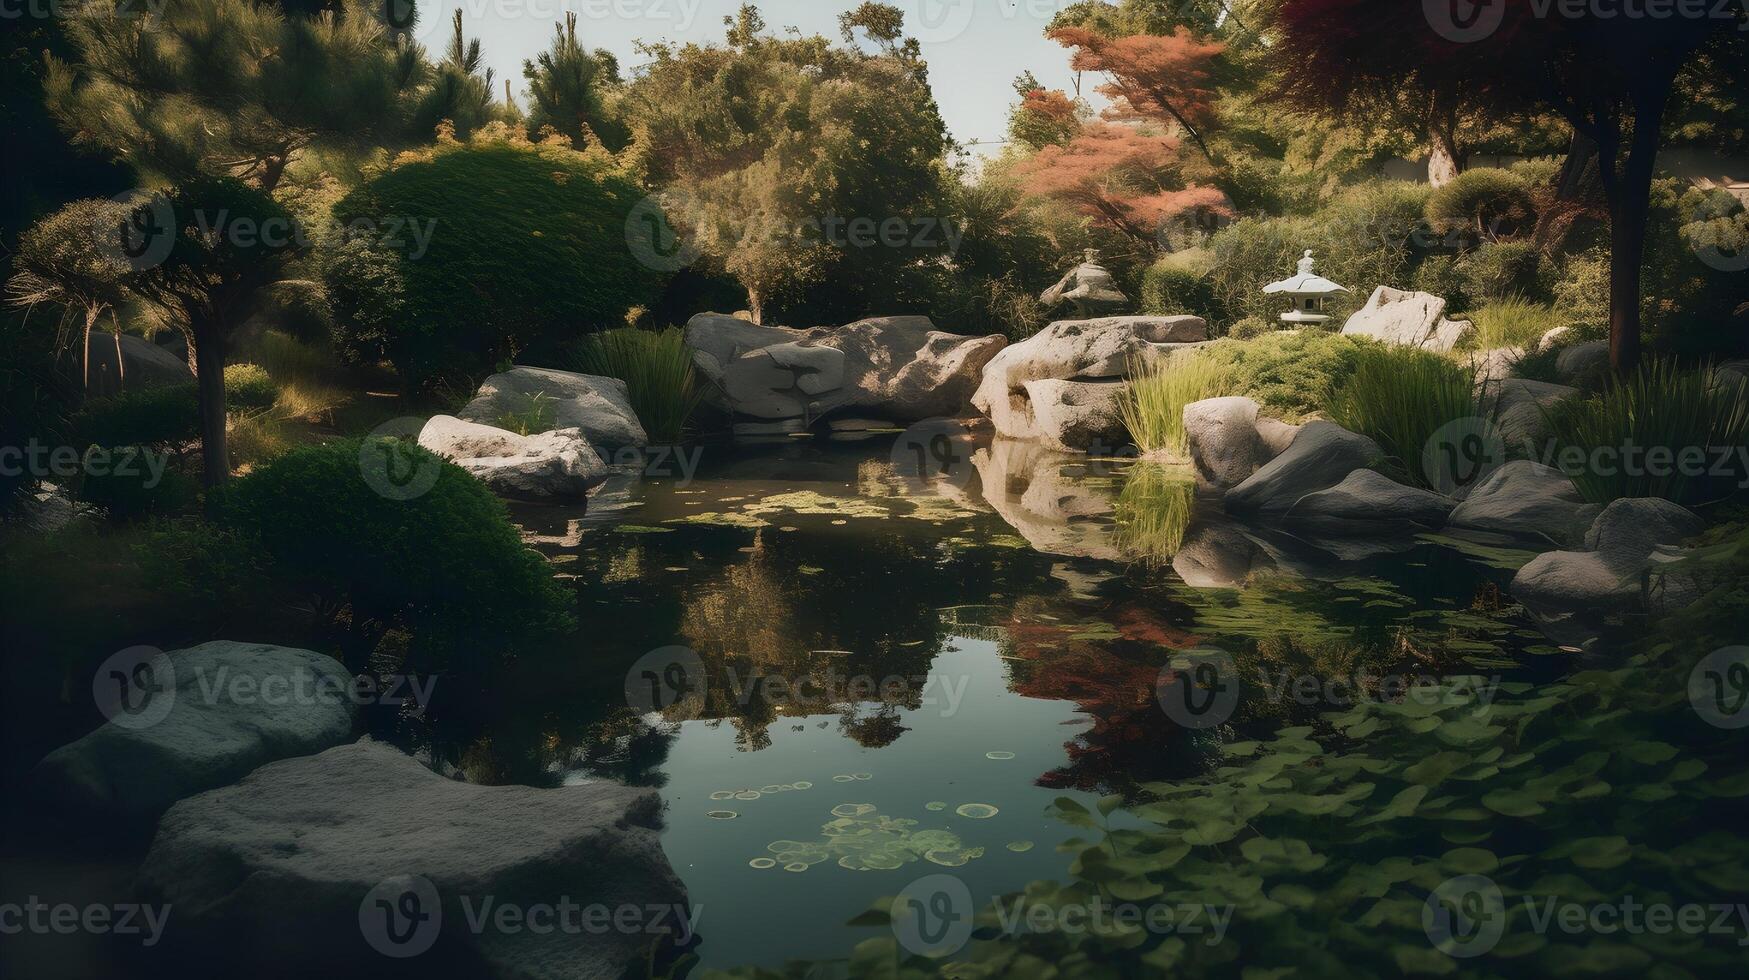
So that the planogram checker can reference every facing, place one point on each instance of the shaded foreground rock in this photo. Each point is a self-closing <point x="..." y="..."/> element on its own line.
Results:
<point x="1526" y="499"/>
<point x="298" y="856"/>
<point x="1225" y="447"/>
<point x="897" y="368"/>
<point x="1078" y="416"/>
<point x="598" y="406"/>
<point x="1520" y="406"/>
<point x="1368" y="497"/>
<point x="1622" y="547"/>
<point x="221" y="710"/>
<point x="558" y="466"/>
<point x="1320" y="456"/>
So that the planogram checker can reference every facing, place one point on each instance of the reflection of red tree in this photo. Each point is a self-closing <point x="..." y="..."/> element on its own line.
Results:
<point x="1112" y="681"/>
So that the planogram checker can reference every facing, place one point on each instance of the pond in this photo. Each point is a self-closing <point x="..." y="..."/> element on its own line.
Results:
<point x="841" y="676"/>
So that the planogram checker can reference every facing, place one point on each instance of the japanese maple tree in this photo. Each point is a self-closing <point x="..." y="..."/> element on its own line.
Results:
<point x="1123" y="178"/>
<point x="1165" y="78"/>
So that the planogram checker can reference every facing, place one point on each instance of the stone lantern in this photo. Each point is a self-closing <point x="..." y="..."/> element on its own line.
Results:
<point x="1090" y="287"/>
<point x="1309" y="292"/>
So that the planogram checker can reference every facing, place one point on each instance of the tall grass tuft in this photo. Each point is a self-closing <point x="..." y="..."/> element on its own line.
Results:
<point x="1515" y="322"/>
<point x="657" y="369"/>
<point x="1400" y="397"/>
<point x="1606" y="443"/>
<point x="1153" y="404"/>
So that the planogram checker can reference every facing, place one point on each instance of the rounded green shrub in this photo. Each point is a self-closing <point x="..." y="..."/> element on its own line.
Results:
<point x="167" y="415"/>
<point x="1169" y="289"/>
<point x="248" y="387"/>
<point x="498" y="247"/>
<point x="446" y="565"/>
<point x="1250" y="328"/>
<point x="127" y="488"/>
<point x="1486" y="202"/>
<point x="1498" y="270"/>
<point x="1439" y="275"/>
<point x="1289" y="372"/>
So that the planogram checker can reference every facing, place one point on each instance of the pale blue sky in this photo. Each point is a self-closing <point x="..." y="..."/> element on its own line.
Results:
<point x="974" y="47"/>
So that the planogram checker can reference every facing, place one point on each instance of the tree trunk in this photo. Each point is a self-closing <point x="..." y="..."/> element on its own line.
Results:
<point x="209" y="355"/>
<point x="1444" y="163"/>
<point x="756" y="306"/>
<point x="1629" y="204"/>
<point x="1576" y="169"/>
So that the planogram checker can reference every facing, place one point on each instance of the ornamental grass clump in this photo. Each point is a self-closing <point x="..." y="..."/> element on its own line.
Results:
<point x="1664" y="432"/>
<point x="1153" y="404"/>
<point x="1400" y="397"/>
<point x="657" y="368"/>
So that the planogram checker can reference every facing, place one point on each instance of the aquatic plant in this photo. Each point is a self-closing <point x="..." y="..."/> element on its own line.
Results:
<point x="1152" y="512"/>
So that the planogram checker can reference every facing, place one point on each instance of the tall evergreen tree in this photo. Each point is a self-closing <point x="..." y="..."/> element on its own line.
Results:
<point x="574" y="91"/>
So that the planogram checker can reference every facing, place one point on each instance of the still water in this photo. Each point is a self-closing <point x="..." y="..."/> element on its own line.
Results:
<point x="889" y="676"/>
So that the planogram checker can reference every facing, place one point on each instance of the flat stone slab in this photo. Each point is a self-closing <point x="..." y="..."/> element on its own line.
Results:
<point x="599" y="406"/>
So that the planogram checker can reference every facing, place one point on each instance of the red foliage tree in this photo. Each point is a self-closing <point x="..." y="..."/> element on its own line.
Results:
<point x="1164" y="78"/>
<point x="1123" y="178"/>
<point x="1610" y="74"/>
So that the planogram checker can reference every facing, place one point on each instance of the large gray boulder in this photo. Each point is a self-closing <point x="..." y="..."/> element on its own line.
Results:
<point x="896" y="368"/>
<point x="1526" y="499"/>
<point x="548" y="467"/>
<point x="1076" y="350"/>
<point x="1225" y="446"/>
<point x="1621" y="548"/>
<point x="1407" y="319"/>
<point x="1078" y="416"/>
<point x="231" y="708"/>
<point x="141" y="364"/>
<point x="1320" y="456"/>
<point x="1369" y="498"/>
<point x="598" y="406"/>
<point x="1583" y="365"/>
<point x="1520" y="407"/>
<point x="298" y="856"/>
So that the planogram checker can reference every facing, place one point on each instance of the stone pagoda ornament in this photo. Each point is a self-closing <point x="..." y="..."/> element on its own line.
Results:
<point x="1310" y="294"/>
<point x="1090" y="287"/>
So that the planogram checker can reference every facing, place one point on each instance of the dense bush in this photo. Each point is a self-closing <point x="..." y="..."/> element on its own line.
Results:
<point x="1607" y="442"/>
<point x="298" y="307"/>
<point x="447" y="564"/>
<point x="1695" y="292"/>
<point x="131" y="490"/>
<point x="1440" y="275"/>
<point x="1289" y="372"/>
<point x="248" y="387"/>
<point x="1485" y="202"/>
<point x="168" y="415"/>
<point x="1169" y="289"/>
<point x="1514" y="322"/>
<point x="1400" y="397"/>
<point x="657" y="368"/>
<point x="1499" y="270"/>
<point x="528" y="248"/>
<point x="1252" y="327"/>
<point x="34" y="398"/>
